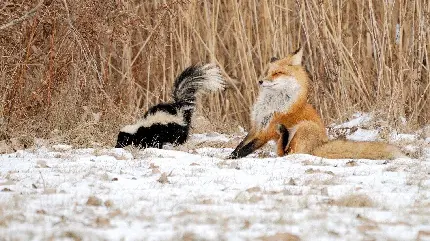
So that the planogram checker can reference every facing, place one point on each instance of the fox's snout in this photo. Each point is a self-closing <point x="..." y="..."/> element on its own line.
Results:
<point x="266" y="83"/>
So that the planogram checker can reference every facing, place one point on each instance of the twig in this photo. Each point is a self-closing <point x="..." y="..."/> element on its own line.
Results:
<point x="43" y="180"/>
<point x="24" y="17"/>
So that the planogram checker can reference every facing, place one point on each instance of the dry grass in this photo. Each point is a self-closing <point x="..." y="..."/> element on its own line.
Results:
<point x="281" y="237"/>
<point x="355" y="200"/>
<point x="77" y="70"/>
<point x="94" y="201"/>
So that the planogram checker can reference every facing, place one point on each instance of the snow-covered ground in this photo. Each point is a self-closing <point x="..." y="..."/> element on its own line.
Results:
<point x="57" y="192"/>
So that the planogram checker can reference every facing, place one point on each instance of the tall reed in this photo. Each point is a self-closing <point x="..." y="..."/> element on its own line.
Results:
<point x="89" y="66"/>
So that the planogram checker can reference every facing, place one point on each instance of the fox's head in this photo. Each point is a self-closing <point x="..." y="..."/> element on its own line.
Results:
<point x="287" y="73"/>
<point x="283" y="90"/>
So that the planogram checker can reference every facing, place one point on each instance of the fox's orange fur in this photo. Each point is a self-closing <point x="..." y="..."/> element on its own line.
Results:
<point x="283" y="102"/>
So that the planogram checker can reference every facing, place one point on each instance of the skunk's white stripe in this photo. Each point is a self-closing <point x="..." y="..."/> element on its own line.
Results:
<point x="160" y="117"/>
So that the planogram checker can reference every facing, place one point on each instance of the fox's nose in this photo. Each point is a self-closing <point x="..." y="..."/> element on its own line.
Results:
<point x="260" y="82"/>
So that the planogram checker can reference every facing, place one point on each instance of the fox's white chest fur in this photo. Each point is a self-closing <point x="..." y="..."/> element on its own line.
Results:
<point x="276" y="96"/>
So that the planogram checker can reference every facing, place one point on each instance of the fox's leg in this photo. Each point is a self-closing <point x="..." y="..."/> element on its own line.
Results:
<point x="284" y="137"/>
<point x="244" y="141"/>
<point x="251" y="143"/>
<point x="307" y="137"/>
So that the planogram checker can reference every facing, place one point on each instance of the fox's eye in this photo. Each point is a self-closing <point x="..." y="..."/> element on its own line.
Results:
<point x="277" y="74"/>
<point x="273" y="59"/>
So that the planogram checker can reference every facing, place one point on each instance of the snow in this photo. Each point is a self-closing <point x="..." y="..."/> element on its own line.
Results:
<point x="364" y="135"/>
<point x="357" y="120"/>
<point x="62" y="193"/>
<point x="402" y="137"/>
<point x="210" y="137"/>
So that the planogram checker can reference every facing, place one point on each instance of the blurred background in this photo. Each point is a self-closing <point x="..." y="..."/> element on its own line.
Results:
<point x="79" y="70"/>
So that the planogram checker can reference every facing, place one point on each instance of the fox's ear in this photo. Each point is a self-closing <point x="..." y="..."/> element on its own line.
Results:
<point x="273" y="59"/>
<point x="296" y="59"/>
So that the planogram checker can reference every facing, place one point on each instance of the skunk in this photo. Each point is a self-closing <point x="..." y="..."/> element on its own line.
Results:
<point x="170" y="122"/>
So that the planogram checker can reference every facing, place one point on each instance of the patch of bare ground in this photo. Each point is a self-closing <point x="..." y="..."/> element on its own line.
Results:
<point x="281" y="237"/>
<point x="355" y="200"/>
<point x="94" y="201"/>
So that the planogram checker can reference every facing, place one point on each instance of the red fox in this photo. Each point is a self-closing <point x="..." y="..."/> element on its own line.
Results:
<point x="282" y="113"/>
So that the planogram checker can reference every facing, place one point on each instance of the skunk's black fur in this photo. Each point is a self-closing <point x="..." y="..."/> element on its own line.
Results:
<point x="170" y="122"/>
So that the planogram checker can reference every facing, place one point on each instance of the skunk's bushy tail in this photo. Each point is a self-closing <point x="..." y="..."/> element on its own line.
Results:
<point x="197" y="79"/>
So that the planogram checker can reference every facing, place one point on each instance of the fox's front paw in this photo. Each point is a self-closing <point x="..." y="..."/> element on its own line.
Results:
<point x="231" y="156"/>
<point x="281" y="129"/>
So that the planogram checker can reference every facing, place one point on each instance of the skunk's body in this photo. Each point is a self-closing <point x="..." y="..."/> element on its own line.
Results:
<point x="170" y="122"/>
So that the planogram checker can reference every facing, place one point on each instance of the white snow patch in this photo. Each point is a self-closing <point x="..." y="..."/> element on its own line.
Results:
<point x="209" y="137"/>
<point x="397" y="137"/>
<point x="157" y="194"/>
<point x="254" y="197"/>
<point x="214" y="152"/>
<point x="363" y="135"/>
<point x="358" y="119"/>
<point x="61" y="147"/>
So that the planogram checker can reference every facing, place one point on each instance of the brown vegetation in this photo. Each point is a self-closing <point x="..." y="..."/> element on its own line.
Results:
<point x="355" y="200"/>
<point x="79" y="69"/>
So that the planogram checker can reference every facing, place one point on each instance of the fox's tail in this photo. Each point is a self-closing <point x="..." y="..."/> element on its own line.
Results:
<point x="197" y="79"/>
<point x="344" y="149"/>
<point x="339" y="149"/>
